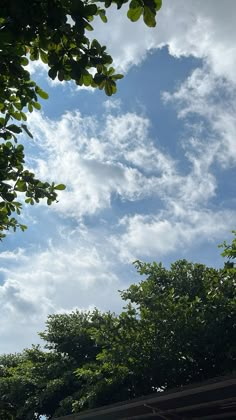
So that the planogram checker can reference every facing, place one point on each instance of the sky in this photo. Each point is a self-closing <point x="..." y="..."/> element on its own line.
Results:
<point x="150" y="172"/>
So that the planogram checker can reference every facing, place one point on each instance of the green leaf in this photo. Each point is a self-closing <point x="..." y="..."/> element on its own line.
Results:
<point x="36" y="105"/>
<point x="117" y="76"/>
<point x="30" y="107"/>
<point x="89" y="27"/>
<point x="158" y="4"/>
<point x="102" y="15"/>
<point x="44" y="57"/>
<point x="18" y="106"/>
<point x="21" y="186"/>
<point x="17" y="115"/>
<point x="87" y="79"/>
<point x="24" y="61"/>
<point x="41" y="92"/>
<point x="60" y="187"/>
<point x="149" y="17"/>
<point x="110" y="87"/>
<point x="29" y="201"/>
<point x="134" y="14"/>
<point x="23" y="116"/>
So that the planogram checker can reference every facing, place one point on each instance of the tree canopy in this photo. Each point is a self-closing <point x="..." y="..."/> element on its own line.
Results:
<point x="229" y="252"/>
<point x="54" y="32"/>
<point x="178" y="327"/>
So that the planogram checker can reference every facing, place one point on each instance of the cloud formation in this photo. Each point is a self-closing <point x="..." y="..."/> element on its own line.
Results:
<point x="201" y="29"/>
<point x="74" y="274"/>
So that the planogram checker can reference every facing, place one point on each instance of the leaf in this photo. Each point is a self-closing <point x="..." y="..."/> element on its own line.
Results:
<point x="21" y="186"/>
<point x="24" y="61"/>
<point x="25" y="128"/>
<point x="102" y="15"/>
<point x="117" y="76"/>
<point x="90" y="10"/>
<point x="30" y="107"/>
<point x="36" y="105"/>
<point x="17" y="115"/>
<point x="9" y="196"/>
<point x="110" y="87"/>
<point x="95" y="44"/>
<point x="88" y="27"/>
<point x="29" y="201"/>
<point x="41" y="92"/>
<point x="52" y="72"/>
<point x="14" y="128"/>
<point x="111" y="71"/>
<point x="60" y="187"/>
<point x="23" y="116"/>
<point x="149" y="17"/>
<point x="18" y="106"/>
<point x="134" y="14"/>
<point x="158" y="4"/>
<point x="44" y="57"/>
<point x="60" y="75"/>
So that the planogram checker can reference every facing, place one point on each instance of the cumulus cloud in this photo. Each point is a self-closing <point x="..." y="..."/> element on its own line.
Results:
<point x="55" y="279"/>
<point x="212" y="100"/>
<point x="155" y="236"/>
<point x="117" y="156"/>
<point x="201" y="29"/>
<point x="97" y="161"/>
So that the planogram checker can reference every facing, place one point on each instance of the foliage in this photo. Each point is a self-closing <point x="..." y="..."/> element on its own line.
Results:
<point x="40" y="382"/>
<point x="178" y="327"/>
<point x="229" y="252"/>
<point x="54" y="32"/>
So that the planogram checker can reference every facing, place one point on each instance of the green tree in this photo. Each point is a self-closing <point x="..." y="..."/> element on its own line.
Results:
<point x="178" y="327"/>
<point x="54" y="31"/>
<point x="229" y="252"/>
<point x="39" y="382"/>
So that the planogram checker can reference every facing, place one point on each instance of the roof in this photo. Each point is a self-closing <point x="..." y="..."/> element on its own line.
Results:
<point x="214" y="399"/>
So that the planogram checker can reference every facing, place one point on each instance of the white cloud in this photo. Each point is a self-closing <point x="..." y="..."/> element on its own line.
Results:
<point x="37" y="67"/>
<point x="55" y="279"/>
<point x="205" y="30"/>
<point x="112" y="104"/>
<point x="96" y="161"/>
<point x="177" y="229"/>
<point x="212" y="100"/>
<point x="117" y="158"/>
<point x="10" y="255"/>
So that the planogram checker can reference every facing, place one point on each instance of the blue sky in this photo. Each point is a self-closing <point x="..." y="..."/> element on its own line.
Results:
<point x="150" y="172"/>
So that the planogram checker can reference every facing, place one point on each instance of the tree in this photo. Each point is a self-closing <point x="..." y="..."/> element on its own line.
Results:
<point x="229" y="252"/>
<point x="39" y="382"/>
<point x="178" y="327"/>
<point x="55" y="32"/>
